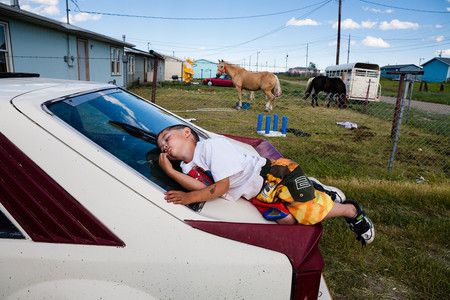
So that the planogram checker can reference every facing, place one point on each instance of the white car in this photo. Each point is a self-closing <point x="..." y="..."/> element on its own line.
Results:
<point x="83" y="215"/>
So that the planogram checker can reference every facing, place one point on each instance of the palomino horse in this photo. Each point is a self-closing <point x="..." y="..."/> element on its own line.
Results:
<point x="243" y="79"/>
<point x="331" y="85"/>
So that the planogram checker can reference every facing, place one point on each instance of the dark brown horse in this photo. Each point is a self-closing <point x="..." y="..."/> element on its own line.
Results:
<point x="335" y="87"/>
<point x="251" y="81"/>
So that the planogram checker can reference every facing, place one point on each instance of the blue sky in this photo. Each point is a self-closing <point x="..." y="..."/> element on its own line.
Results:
<point x="271" y="34"/>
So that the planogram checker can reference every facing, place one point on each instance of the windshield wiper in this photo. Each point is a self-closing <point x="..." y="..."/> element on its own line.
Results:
<point x="135" y="131"/>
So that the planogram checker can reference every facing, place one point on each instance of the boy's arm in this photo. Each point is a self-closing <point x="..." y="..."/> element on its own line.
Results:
<point x="210" y="192"/>
<point x="186" y="181"/>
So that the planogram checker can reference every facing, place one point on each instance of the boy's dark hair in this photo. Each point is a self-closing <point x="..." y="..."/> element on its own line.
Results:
<point x="178" y="127"/>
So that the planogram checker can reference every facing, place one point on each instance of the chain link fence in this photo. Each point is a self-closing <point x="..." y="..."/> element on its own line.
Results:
<point x="378" y="140"/>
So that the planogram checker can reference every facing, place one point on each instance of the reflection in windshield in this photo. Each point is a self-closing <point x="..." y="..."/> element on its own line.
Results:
<point x="122" y="124"/>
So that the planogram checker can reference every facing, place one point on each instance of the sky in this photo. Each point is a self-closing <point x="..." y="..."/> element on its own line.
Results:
<point x="268" y="35"/>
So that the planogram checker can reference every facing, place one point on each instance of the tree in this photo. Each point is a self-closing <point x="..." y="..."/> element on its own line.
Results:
<point x="312" y="65"/>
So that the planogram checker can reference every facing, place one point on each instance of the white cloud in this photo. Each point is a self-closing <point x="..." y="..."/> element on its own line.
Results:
<point x="41" y="9"/>
<point x="387" y="11"/>
<point x="304" y="22"/>
<point x="80" y="17"/>
<point x="347" y="24"/>
<point x="440" y="38"/>
<point x="396" y="24"/>
<point x="45" y="2"/>
<point x="368" y="24"/>
<point x="448" y="8"/>
<point x="44" y="7"/>
<point x="375" y="42"/>
<point x="350" y="24"/>
<point x="443" y="52"/>
<point x="438" y="26"/>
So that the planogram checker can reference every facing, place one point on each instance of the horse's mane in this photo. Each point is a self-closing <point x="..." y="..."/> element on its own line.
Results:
<point x="230" y="64"/>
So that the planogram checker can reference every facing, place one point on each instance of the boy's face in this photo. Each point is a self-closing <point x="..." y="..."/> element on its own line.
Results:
<point x="175" y="142"/>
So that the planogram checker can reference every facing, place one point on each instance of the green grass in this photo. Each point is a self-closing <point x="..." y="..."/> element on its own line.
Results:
<point x="434" y="95"/>
<point x="410" y="257"/>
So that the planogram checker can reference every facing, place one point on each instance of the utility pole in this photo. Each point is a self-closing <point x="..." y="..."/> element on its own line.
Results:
<point x="306" y="59"/>
<point x="348" y="50"/>
<point x="286" y="62"/>
<point x="257" y="58"/>
<point x="339" y="33"/>
<point x="67" y="11"/>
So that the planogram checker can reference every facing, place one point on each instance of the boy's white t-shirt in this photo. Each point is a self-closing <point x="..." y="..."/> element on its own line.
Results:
<point x="223" y="160"/>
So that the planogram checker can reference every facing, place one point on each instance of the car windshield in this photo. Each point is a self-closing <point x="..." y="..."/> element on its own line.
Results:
<point x="122" y="124"/>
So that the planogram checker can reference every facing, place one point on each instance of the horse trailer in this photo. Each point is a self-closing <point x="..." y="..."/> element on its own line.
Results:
<point x="362" y="80"/>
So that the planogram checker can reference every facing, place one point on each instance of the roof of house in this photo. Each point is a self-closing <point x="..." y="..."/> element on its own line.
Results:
<point x="205" y="60"/>
<point x="151" y="53"/>
<point x="444" y="60"/>
<point x="398" y="66"/>
<point x="29" y="17"/>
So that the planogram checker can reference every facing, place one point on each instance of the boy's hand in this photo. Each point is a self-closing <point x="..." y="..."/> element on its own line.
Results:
<point x="179" y="197"/>
<point x="165" y="163"/>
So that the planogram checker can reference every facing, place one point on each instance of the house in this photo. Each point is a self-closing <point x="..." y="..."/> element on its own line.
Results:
<point x="173" y="68"/>
<point x="36" y="44"/>
<point x="140" y="66"/>
<point x="204" y="69"/>
<point x="303" y="72"/>
<point x="436" y="70"/>
<point x="396" y="68"/>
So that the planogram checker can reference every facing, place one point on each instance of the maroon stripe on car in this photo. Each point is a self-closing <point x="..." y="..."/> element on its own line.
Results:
<point x="45" y="210"/>
<point x="300" y="243"/>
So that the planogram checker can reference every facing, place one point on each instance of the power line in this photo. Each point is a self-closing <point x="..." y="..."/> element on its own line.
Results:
<point x="410" y="9"/>
<point x="199" y="18"/>
<point x="274" y="30"/>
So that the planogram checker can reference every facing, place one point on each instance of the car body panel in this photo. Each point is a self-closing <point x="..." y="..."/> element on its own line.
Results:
<point x="223" y="80"/>
<point x="163" y="255"/>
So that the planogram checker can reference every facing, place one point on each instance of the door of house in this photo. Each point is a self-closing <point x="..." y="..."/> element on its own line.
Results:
<point x="83" y="59"/>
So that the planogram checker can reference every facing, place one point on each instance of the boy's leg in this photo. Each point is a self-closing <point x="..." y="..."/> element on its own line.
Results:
<point x="357" y="219"/>
<point x="336" y="194"/>
<point x="289" y="220"/>
<point x="342" y="210"/>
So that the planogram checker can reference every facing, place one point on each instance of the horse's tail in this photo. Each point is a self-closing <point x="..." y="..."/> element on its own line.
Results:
<point x="276" y="91"/>
<point x="309" y="87"/>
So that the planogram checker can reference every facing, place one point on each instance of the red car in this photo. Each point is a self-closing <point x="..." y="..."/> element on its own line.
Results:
<point x="223" y="80"/>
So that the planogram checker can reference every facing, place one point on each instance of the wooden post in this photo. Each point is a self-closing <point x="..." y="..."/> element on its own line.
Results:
<point x="398" y="105"/>
<point x="155" y="76"/>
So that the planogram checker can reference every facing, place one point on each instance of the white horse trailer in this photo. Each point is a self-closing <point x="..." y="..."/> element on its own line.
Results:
<point x="362" y="80"/>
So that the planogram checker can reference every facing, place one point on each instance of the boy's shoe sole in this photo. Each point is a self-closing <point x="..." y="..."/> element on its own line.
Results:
<point x="336" y="194"/>
<point x="361" y="224"/>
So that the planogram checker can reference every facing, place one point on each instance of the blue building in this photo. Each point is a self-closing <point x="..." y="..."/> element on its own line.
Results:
<point x="204" y="69"/>
<point x="35" y="44"/>
<point x="436" y="70"/>
<point x="396" y="68"/>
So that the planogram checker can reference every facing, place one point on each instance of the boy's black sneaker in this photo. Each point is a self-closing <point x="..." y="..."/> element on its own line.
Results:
<point x="336" y="194"/>
<point x="361" y="225"/>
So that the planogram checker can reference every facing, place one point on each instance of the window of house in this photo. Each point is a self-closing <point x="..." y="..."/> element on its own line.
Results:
<point x="115" y="60"/>
<point x="131" y="65"/>
<point x="5" y="49"/>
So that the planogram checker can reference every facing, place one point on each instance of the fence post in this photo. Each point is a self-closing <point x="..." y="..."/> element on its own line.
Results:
<point x="397" y="105"/>
<point x="409" y="103"/>
<point x="399" y="122"/>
